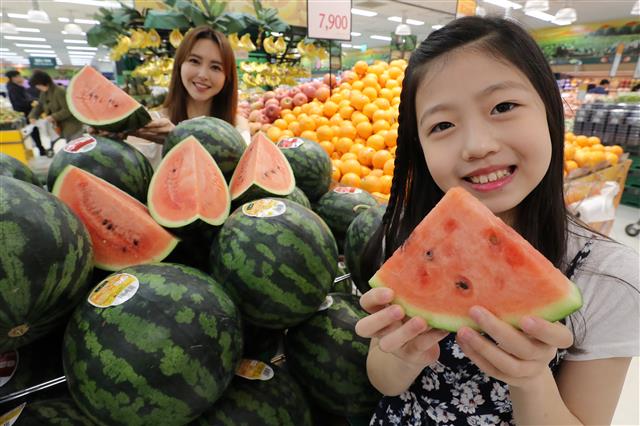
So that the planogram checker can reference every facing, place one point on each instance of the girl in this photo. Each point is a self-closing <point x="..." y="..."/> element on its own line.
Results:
<point x="204" y="81"/>
<point x="480" y="109"/>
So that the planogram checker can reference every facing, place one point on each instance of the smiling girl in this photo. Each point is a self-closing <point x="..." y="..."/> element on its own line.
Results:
<point x="480" y="109"/>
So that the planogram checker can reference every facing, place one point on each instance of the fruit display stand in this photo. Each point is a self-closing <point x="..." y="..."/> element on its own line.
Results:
<point x="11" y="143"/>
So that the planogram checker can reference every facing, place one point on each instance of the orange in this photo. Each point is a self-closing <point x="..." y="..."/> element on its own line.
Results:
<point x="288" y="117"/>
<point x="357" y="85"/>
<point x="611" y="158"/>
<point x="371" y="80"/>
<point x="569" y="151"/>
<point x="395" y="101"/>
<point x="376" y="69"/>
<point x="617" y="149"/>
<point x="356" y="148"/>
<point x="287" y="133"/>
<point x="360" y="67"/>
<point x="349" y="156"/>
<point x="385" y="182"/>
<point x="377" y="172"/>
<point x="336" y="97"/>
<point x="328" y="146"/>
<point x="382" y="114"/>
<point x="351" y="179"/>
<point x="581" y="158"/>
<point x="593" y="140"/>
<point x="360" y="141"/>
<point x="345" y="112"/>
<point x="380" y="158"/>
<point x="365" y="156"/>
<point x="323" y="93"/>
<point x="350" y="166"/>
<point x="336" y="162"/>
<point x="349" y="76"/>
<point x="335" y="155"/>
<point x="386" y="94"/>
<point x="388" y="167"/>
<point x="391" y="138"/>
<point x="371" y="93"/>
<point x="335" y="174"/>
<point x="369" y="109"/>
<point x="330" y="108"/>
<point x="569" y="137"/>
<point x="343" y="145"/>
<point x="371" y="184"/>
<point x="274" y="133"/>
<point x="309" y="134"/>
<point x="347" y="130"/>
<point x="394" y="72"/>
<point x="597" y="157"/>
<point x="597" y="147"/>
<point x="307" y="123"/>
<point x="335" y="120"/>
<point x="391" y="84"/>
<point x="382" y="103"/>
<point x="281" y="124"/>
<point x="376" y="142"/>
<point x="358" y="100"/>
<point x="582" y="140"/>
<point x="570" y="165"/>
<point x="344" y="86"/>
<point x="296" y="110"/>
<point x="325" y="133"/>
<point x="357" y="117"/>
<point x="295" y="128"/>
<point x="380" y="125"/>
<point x="364" y="171"/>
<point x="396" y="91"/>
<point x="364" y="129"/>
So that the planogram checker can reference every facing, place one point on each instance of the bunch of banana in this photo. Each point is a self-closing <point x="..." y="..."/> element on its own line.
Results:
<point x="248" y="67"/>
<point x="274" y="46"/>
<point x="246" y="43"/>
<point x="153" y="38"/>
<point x="138" y="39"/>
<point x="175" y="38"/>
<point x="233" y="41"/>
<point x="124" y="43"/>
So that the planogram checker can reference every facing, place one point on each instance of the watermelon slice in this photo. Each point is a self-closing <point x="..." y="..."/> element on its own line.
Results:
<point x="263" y="170"/>
<point x="96" y="101"/>
<point x="122" y="231"/>
<point x="188" y="186"/>
<point x="461" y="255"/>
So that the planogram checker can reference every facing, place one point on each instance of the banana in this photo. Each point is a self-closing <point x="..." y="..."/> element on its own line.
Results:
<point x="246" y="78"/>
<point x="301" y="48"/>
<point x="247" y="43"/>
<point x="247" y="66"/>
<point x="175" y="38"/>
<point x="137" y="39"/>
<point x="322" y="54"/>
<point x="153" y="38"/>
<point x="233" y="41"/>
<point x="268" y="45"/>
<point x="280" y="45"/>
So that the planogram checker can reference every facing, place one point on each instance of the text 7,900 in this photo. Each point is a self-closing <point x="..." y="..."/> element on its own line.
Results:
<point x="330" y="22"/>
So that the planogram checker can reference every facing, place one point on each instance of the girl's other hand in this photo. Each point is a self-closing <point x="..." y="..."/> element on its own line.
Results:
<point x="411" y="340"/>
<point x="517" y="357"/>
<point x="157" y="130"/>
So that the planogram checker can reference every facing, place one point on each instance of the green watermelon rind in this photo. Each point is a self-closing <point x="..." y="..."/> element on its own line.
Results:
<point x="155" y="258"/>
<point x="11" y="167"/>
<point x="130" y="120"/>
<point x="187" y="221"/>
<point x="551" y="312"/>
<point x="311" y="166"/>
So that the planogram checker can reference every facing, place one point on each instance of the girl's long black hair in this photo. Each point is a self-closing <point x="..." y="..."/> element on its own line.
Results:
<point x="541" y="217"/>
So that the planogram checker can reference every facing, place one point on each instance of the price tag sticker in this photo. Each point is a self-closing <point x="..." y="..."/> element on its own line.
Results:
<point x="329" y="19"/>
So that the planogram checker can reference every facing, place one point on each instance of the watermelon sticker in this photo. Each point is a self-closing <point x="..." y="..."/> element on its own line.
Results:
<point x="347" y="190"/>
<point x="264" y="208"/>
<point x="254" y="370"/>
<point x="8" y="419"/>
<point x="8" y="366"/>
<point x="82" y="144"/>
<point x="290" y="143"/>
<point x="328" y="301"/>
<point x="114" y="290"/>
<point x="17" y="331"/>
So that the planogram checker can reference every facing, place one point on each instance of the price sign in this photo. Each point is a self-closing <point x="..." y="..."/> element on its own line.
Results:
<point x="329" y="19"/>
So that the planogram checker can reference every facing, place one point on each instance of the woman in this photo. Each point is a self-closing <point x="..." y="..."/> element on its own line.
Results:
<point x="53" y="103"/>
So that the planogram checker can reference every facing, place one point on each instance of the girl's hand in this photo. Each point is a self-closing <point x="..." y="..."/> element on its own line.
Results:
<point x="157" y="130"/>
<point x="412" y="340"/>
<point x="518" y="357"/>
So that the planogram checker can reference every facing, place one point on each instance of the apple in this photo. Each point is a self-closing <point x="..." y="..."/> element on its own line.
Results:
<point x="272" y="112"/>
<point x="269" y="95"/>
<point x="308" y="90"/>
<point x="255" y="116"/>
<point x="330" y="80"/>
<point x="272" y="101"/>
<point x="300" y="99"/>
<point x="286" y="103"/>
<point x="257" y="105"/>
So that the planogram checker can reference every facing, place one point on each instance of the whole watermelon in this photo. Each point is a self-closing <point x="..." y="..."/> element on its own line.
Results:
<point x="311" y="165"/>
<point x="329" y="359"/>
<point x="11" y="167"/>
<point x="60" y="411"/>
<point x="221" y="139"/>
<point x="299" y="197"/>
<point x="260" y="343"/>
<point x="117" y="162"/>
<point x="277" y="259"/>
<point x="46" y="258"/>
<point x="340" y="206"/>
<point x="162" y="356"/>
<point x="358" y="234"/>
<point x="278" y="401"/>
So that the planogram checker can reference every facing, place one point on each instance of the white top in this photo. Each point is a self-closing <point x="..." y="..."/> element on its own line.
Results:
<point x="608" y="324"/>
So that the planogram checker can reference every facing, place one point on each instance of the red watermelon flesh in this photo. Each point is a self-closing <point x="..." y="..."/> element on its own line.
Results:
<point x="188" y="186"/>
<point x="122" y="231"/>
<point x="462" y="255"/>
<point x="262" y="167"/>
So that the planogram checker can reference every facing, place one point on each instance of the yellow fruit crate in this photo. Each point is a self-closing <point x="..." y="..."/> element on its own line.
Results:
<point x="11" y="144"/>
<point x="9" y="136"/>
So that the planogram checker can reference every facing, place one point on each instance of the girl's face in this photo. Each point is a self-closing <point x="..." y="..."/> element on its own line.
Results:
<point x="483" y="127"/>
<point x="202" y="73"/>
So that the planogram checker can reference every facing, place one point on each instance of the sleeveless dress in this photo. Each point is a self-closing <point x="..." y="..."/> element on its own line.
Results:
<point x="454" y="391"/>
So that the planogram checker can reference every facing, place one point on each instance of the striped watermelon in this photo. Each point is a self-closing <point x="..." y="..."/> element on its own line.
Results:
<point x="340" y="206"/>
<point x="329" y="359"/>
<point x="117" y="162"/>
<point x="220" y="138"/>
<point x="46" y="258"/>
<point x="310" y="163"/>
<point x="278" y="260"/>
<point x="59" y="411"/>
<point x="358" y="234"/>
<point x="278" y="401"/>
<point x="299" y="197"/>
<point x="11" y="167"/>
<point x="163" y="356"/>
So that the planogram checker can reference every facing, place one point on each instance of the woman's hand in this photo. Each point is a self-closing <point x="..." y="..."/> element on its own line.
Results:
<point x="32" y="121"/>
<point x="50" y="119"/>
<point x="157" y="130"/>
<point x="518" y="357"/>
<point x="411" y="340"/>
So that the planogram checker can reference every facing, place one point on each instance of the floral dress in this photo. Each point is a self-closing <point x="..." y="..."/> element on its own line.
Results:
<point x="454" y="391"/>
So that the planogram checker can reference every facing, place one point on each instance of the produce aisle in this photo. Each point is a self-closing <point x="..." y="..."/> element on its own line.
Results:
<point x="216" y="279"/>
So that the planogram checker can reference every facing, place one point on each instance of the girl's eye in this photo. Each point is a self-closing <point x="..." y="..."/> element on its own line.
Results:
<point x="193" y="60"/>
<point x="503" y="107"/>
<point x="441" y="127"/>
<point x="216" y="68"/>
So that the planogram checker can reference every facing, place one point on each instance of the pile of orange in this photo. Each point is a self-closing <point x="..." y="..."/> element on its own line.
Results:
<point x="356" y="124"/>
<point x="588" y="152"/>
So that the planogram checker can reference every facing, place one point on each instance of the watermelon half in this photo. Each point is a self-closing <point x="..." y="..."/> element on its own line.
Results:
<point x="188" y="186"/>
<point x="122" y="231"/>
<point x="462" y="255"/>
<point x="263" y="170"/>
<point x="96" y="101"/>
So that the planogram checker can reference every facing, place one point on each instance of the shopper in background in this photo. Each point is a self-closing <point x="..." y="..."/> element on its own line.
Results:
<point x="21" y="101"/>
<point x="204" y="82"/>
<point x="601" y="89"/>
<point x="478" y="96"/>
<point x="53" y="104"/>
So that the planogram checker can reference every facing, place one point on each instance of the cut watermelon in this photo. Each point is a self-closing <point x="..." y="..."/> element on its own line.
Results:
<point x="122" y="231"/>
<point x="461" y="255"/>
<point x="96" y="101"/>
<point x="188" y="186"/>
<point x="263" y="170"/>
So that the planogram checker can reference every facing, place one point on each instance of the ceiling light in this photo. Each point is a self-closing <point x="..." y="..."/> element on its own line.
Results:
<point x="64" y="20"/>
<point x="636" y="8"/>
<point x="70" y="41"/>
<point x="565" y="16"/>
<point x="8" y="28"/>
<point x="27" y="30"/>
<point x="379" y="37"/>
<point x="3" y="49"/>
<point x="68" y="33"/>
<point x="362" y="12"/>
<point x="25" y="38"/>
<point x="36" y="15"/>
<point x="44" y="55"/>
<point x="536" y="5"/>
<point x="437" y="26"/>
<point x="80" y="48"/>
<point x="86" y="21"/>
<point x="403" y="30"/>
<point x="98" y="3"/>
<point x="81" y="55"/>
<point x="18" y="15"/>
<point x="42" y="46"/>
<point x="355" y="34"/>
<point x="505" y="3"/>
<point x="72" y="29"/>
<point x="40" y="51"/>
<point x="395" y="18"/>
<point x="540" y="15"/>
<point x="414" y="22"/>
<point x="346" y="45"/>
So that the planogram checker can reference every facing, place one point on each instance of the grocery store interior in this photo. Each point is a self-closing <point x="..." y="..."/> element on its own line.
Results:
<point x="336" y="86"/>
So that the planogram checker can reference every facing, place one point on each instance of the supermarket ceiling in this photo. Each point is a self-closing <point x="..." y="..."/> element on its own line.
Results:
<point x="51" y="39"/>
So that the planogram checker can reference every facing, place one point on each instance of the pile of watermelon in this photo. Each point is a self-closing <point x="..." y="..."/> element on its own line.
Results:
<point x="151" y="290"/>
